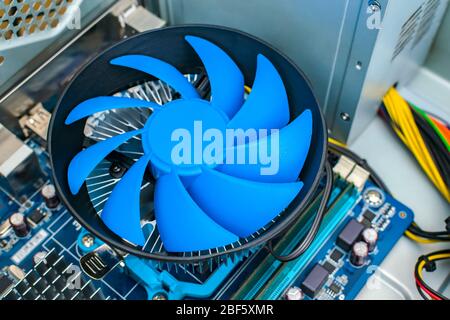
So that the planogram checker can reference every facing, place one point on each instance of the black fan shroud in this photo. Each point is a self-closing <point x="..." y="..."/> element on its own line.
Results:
<point x="100" y="78"/>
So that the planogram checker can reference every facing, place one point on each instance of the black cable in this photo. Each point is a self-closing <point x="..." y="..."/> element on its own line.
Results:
<point x="437" y="149"/>
<point x="435" y="145"/>
<point x="431" y="134"/>
<point x="420" y="280"/>
<point x="429" y="140"/>
<point x="443" y="236"/>
<point x="311" y="235"/>
<point x="441" y="157"/>
<point x="417" y="230"/>
<point x="422" y="294"/>
<point x="424" y="125"/>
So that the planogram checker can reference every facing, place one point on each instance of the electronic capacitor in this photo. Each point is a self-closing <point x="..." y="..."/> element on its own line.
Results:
<point x="370" y="236"/>
<point x="50" y="197"/>
<point x="359" y="254"/>
<point x="19" y="224"/>
<point x="294" y="294"/>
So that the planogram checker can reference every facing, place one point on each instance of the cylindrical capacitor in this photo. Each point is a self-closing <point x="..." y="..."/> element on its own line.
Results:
<point x="294" y="294"/>
<point x="370" y="236"/>
<point x="19" y="224"/>
<point x="50" y="197"/>
<point x="359" y="254"/>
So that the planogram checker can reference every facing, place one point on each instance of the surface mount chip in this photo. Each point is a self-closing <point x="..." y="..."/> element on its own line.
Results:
<point x="315" y="280"/>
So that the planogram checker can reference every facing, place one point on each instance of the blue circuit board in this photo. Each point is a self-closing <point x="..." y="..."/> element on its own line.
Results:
<point x="136" y="279"/>
<point x="345" y="280"/>
<point x="263" y="277"/>
<point x="391" y="220"/>
<point x="57" y="232"/>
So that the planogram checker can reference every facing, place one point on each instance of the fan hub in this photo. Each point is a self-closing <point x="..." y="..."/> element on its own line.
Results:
<point x="177" y="136"/>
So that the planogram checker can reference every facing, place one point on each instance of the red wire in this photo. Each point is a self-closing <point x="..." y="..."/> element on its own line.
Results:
<point x="433" y="296"/>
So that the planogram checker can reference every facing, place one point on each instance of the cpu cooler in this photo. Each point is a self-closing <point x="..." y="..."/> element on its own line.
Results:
<point x="112" y="148"/>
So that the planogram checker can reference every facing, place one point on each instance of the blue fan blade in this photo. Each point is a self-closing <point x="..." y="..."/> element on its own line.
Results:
<point x="241" y="206"/>
<point x="161" y="70"/>
<point x="98" y="104"/>
<point x="284" y="165"/>
<point x="267" y="105"/>
<point x="183" y="226"/>
<point x="84" y="162"/>
<point x="122" y="211"/>
<point x="227" y="81"/>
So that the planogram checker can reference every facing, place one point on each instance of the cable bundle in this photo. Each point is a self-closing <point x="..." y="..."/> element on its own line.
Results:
<point x="417" y="234"/>
<point x="426" y="136"/>
<point x="428" y="262"/>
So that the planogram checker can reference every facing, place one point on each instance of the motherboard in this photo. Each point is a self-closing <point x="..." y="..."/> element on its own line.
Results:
<point x="46" y="255"/>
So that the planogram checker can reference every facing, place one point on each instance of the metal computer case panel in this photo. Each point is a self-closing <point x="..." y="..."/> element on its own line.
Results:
<point x="330" y="41"/>
<point x="32" y="31"/>
<point x="401" y="47"/>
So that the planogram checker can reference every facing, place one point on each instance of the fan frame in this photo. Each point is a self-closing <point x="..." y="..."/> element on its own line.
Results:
<point x="85" y="84"/>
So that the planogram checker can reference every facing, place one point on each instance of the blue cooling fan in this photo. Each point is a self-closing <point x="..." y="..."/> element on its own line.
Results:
<point x="200" y="206"/>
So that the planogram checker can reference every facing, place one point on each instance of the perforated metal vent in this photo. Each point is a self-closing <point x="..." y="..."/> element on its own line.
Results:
<point x="408" y="31"/>
<point x="427" y="19"/>
<point x="25" y="21"/>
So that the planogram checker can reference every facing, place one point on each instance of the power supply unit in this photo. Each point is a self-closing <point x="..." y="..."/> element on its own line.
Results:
<point x="352" y="51"/>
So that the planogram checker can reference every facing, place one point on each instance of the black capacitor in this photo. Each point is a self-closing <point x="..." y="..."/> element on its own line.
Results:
<point x="50" y="197"/>
<point x="359" y="254"/>
<point x="19" y="224"/>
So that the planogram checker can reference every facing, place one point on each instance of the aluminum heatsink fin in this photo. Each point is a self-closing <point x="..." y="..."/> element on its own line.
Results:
<point x="84" y="162"/>
<point x="161" y="70"/>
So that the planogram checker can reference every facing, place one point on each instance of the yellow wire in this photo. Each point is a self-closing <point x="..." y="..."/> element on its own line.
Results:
<point x="425" y="162"/>
<point x="406" y="129"/>
<point x="431" y="258"/>
<point x="416" y="140"/>
<point x="418" y="239"/>
<point x="393" y="112"/>
<point x="395" y="127"/>
<point x="421" y="144"/>
<point x="336" y="142"/>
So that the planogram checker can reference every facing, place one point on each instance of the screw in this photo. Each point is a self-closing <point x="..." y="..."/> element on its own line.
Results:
<point x="374" y="6"/>
<point x="159" y="297"/>
<point x="88" y="241"/>
<point x="116" y="171"/>
<point x="359" y="66"/>
<point x="345" y="116"/>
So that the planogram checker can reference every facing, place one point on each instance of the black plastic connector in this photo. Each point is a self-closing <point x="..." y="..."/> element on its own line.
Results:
<point x="430" y="266"/>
